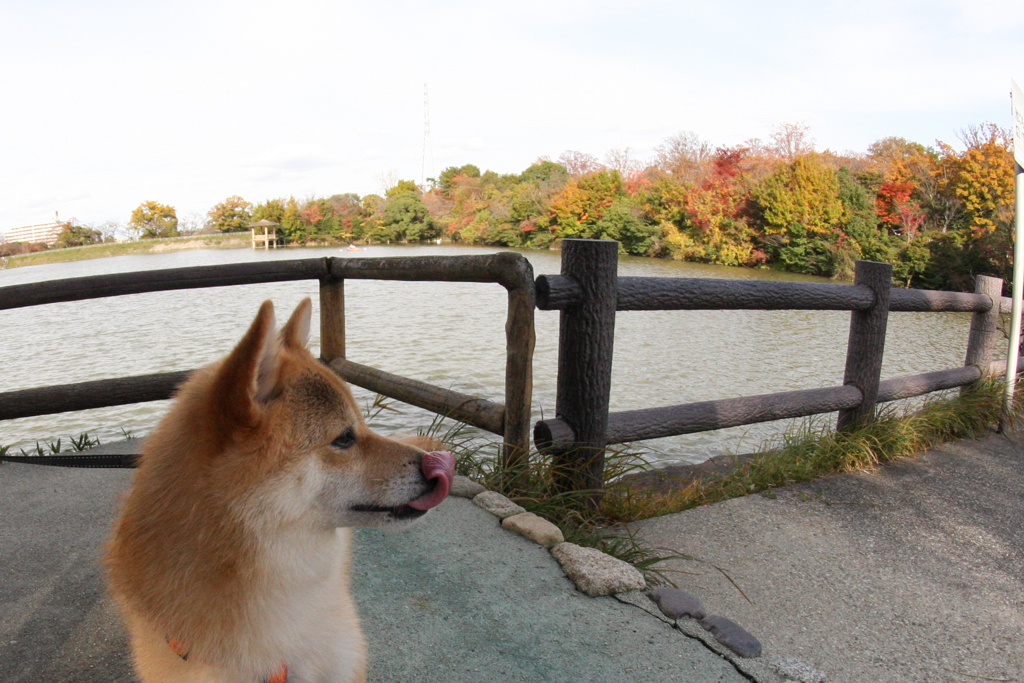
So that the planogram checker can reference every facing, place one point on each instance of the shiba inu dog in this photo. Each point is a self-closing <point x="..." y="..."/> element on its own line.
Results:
<point x="230" y="558"/>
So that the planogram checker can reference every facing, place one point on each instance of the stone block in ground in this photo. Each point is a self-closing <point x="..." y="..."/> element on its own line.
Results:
<point x="796" y="670"/>
<point x="732" y="635"/>
<point x="676" y="604"/>
<point x="497" y="504"/>
<point x="534" y="528"/>
<point x="464" y="487"/>
<point x="596" y="573"/>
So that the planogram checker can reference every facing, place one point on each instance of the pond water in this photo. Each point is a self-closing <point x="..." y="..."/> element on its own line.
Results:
<point x="450" y="334"/>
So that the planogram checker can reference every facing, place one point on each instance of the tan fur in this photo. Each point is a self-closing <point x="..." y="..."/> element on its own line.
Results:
<point x="229" y="540"/>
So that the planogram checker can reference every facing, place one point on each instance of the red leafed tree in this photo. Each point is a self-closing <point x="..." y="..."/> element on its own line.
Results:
<point x="897" y="210"/>
<point x="312" y="213"/>
<point x="716" y="198"/>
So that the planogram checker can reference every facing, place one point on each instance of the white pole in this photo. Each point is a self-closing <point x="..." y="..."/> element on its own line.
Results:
<point x="1018" y="290"/>
<point x="1017" y="114"/>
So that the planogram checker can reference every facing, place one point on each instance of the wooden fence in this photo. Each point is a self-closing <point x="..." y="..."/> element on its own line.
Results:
<point x="511" y="420"/>
<point x="588" y="293"/>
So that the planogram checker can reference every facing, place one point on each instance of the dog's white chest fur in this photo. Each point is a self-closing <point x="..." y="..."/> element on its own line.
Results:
<point x="304" y="610"/>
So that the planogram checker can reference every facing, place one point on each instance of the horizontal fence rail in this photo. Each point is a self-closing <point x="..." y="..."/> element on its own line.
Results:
<point x="909" y="386"/>
<point x="102" y="393"/>
<point x="472" y="410"/>
<point x="194" y="277"/>
<point x="931" y="301"/>
<point x="654" y="423"/>
<point x="512" y="271"/>
<point x="559" y="292"/>
<point x="119" y="391"/>
<point x="503" y="268"/>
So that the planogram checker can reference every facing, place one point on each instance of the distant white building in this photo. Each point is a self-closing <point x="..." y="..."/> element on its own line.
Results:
<point x="41" y="233"/>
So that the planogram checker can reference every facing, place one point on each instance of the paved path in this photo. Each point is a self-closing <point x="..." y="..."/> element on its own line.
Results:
<point x="911" y="573"/>
<point x="455" y="598"/>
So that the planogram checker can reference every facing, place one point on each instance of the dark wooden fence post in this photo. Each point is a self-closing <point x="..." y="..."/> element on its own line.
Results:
<point x="585" y="338"/>
<point x="984" y="326"/>
<point x="332" y="318"/>
<point x="520" y="340"/>
<point x="867" y="343"/>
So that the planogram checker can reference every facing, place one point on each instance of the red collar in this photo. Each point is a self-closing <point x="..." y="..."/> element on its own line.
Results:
<point x="279" y="676"/>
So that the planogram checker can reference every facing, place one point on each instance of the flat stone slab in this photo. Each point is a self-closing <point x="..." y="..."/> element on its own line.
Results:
<point x="596" y="573"/>
<point x="535" y="528"/>
<point x="677" y="604"/>
<point x="497" y="504"/>
<point x="464" y="487"/>
<point x="732" y="635"/>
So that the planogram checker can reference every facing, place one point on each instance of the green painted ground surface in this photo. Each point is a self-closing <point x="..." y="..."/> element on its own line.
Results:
<point x="454" y="599"/>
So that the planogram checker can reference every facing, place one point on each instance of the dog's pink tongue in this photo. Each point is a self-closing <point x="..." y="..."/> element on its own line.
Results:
<point x="438" y="465"/>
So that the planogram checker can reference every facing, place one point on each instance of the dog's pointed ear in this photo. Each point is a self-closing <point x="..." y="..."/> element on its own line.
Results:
<point x="295" y="334"/>
<point x="248" y="375"/>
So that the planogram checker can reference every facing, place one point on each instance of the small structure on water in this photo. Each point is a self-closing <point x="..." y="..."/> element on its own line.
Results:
<point x="264" y="233"/>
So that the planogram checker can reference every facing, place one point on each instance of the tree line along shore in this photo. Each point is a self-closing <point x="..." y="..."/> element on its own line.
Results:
<point x="940" y="215"/>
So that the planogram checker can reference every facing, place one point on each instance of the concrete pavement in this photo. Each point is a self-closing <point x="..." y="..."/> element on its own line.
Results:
<point x="910" y="573"/>
<point x="914" y="572"/>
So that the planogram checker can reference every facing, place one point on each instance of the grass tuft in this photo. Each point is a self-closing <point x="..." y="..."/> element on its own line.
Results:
<point x="813" y="449"/>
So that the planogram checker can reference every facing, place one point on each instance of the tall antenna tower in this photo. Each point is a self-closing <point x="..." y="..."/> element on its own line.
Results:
<point x="426" y="139"/>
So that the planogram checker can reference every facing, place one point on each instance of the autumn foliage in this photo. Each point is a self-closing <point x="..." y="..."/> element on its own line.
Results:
<point x="940" y="215"/>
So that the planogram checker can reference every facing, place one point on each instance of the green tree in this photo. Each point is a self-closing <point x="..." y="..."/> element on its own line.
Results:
<point x="447" y="178"/>
<point x="271" y="210"/>
<point x="231" y="215"/>
<point x="371" y="208"/>
<point x="292" y="226"/>
<point x="621" y="222"/>
<point x="320" y="221"/>
<point x="152" y="219"/>
<point x="861" y="224"/>
<point x="406" y="218"/>
<point x="76" y="235"/>
<point x="400" y="187"/>
<point x="348" y="208"/>
<point x="545" y="172"/>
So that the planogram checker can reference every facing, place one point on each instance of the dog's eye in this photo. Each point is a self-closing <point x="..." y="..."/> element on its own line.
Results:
<point x="346" y="440"/>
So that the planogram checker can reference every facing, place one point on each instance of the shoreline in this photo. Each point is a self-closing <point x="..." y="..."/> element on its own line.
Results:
<point x="153" y="246"/>
<point x="239" y="240"/>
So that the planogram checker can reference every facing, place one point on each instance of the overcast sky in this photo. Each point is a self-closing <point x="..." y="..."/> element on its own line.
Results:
<point x="108" y="103"/>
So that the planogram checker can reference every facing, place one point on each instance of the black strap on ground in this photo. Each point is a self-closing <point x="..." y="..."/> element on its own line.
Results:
<point x="102" y="460"/>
